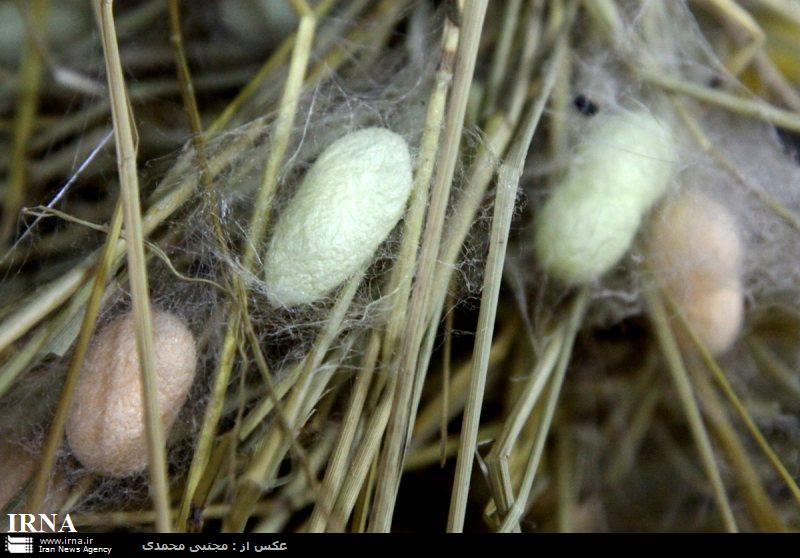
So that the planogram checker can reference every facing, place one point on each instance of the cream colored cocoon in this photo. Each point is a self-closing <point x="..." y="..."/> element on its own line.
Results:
<point x="106" y="428"/>
<point x="622" y="167"/>
<point x="348" y="203"/>
<point x="16" y="467"/>
<point x="696" y="252"/>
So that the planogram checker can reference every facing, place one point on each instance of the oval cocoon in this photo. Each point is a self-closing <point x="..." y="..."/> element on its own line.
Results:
<point x="16" y="467"/>
<point x="106" y="428"/>
<point x="695" y="251"/>
<point x="348" y="203"/>
<point x="621" y="168"/>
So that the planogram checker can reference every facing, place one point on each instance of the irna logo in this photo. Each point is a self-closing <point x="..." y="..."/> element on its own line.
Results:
<point x="40" y="523"/>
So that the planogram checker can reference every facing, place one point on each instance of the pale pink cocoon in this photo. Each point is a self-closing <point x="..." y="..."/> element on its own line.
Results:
<point x="695" y="251"/>
<point x="106" y="428"/>
<point x="16" y="467"/>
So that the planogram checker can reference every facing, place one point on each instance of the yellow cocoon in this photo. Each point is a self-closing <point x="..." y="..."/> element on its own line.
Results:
<point x="106" y="428"/>
<point x="695" y="252"/>
<point x="622" y="167"/>
<point x="348" y="203"/>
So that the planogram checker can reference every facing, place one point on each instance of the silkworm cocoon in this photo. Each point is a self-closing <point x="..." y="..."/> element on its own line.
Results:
<point x="264" y="22"/>
<point x="67" y="20"/>
<point x="106" y="428"/>
<point x="622" y="168"/>
<point x="16" y="467"/>
<point x="348" y="203"/>
<point x="695" y="251"/>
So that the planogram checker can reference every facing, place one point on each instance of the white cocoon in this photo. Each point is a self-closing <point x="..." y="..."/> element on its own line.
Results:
<point x="348" y="203"/>
<point x="622" y="167"/>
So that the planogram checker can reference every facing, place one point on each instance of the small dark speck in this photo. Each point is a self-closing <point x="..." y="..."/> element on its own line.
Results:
<point x="585" y="105"/>
<point x="715" y="82"/>
<point x="195" y="522"/>
<point x="790" y="142"/>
